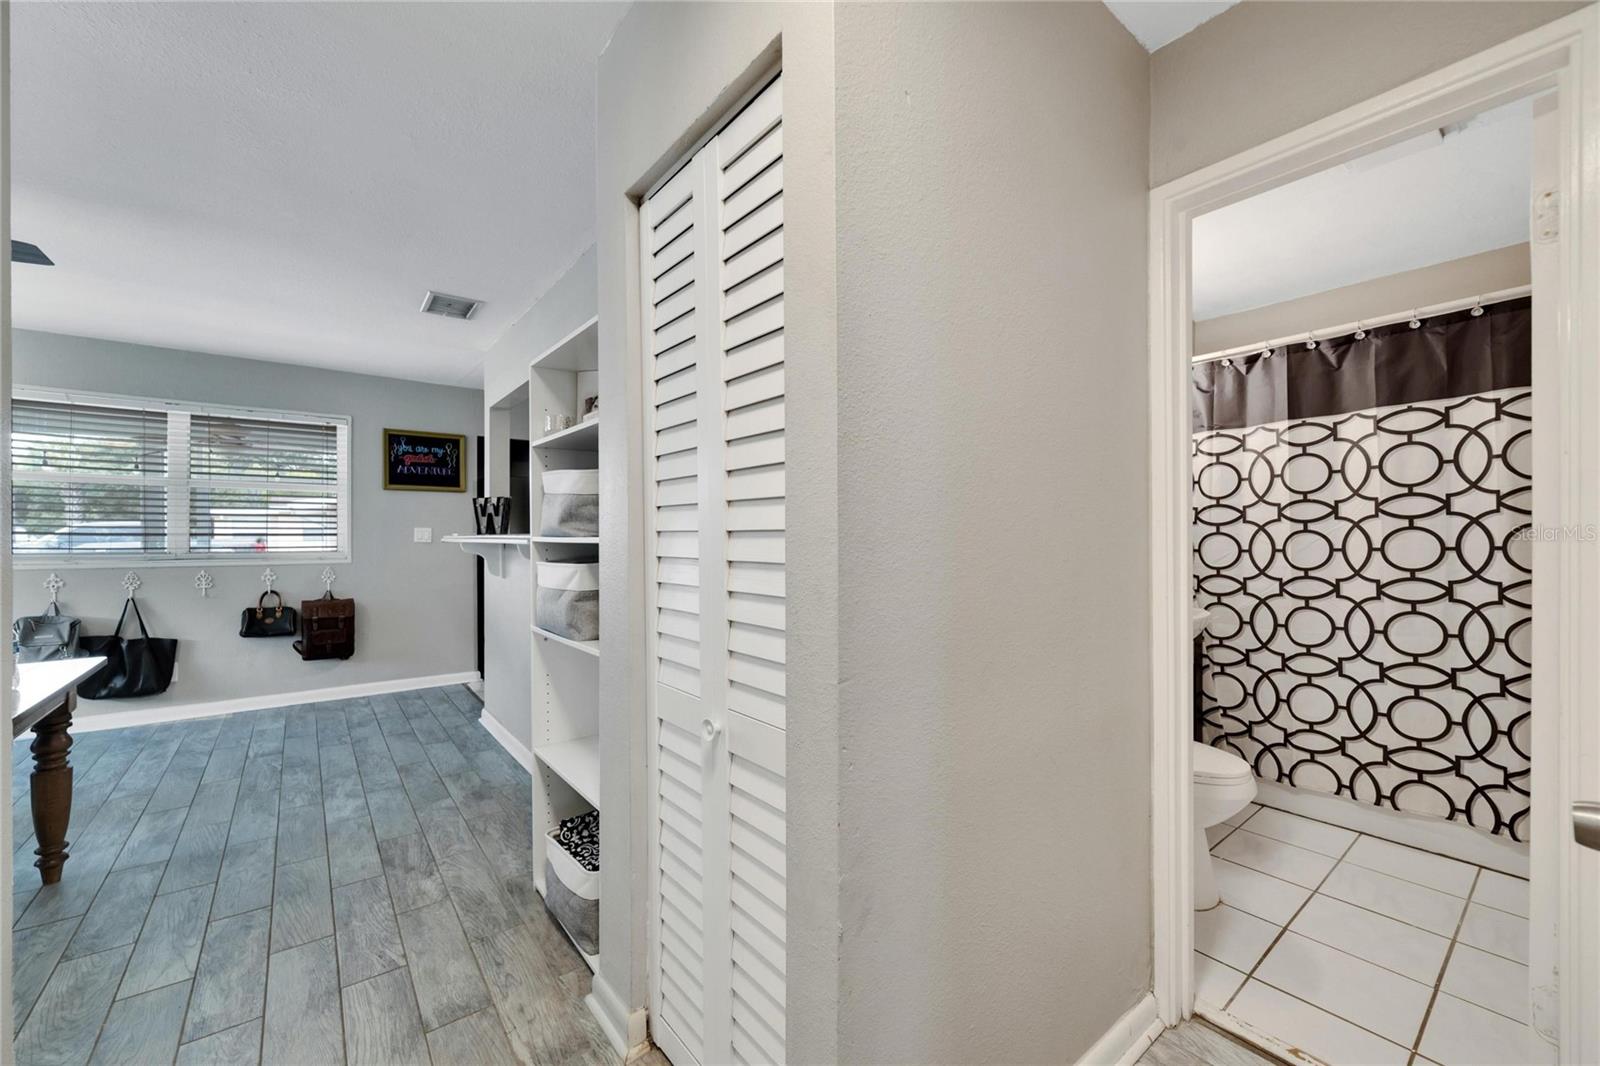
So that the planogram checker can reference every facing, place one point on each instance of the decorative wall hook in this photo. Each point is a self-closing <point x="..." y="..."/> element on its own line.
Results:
<point x="53" y="585"/>
<point x="131" y="582"/>
<point x="203" y="582"/>
<point x="327" y="578"/>
<point x="268" y="576"/>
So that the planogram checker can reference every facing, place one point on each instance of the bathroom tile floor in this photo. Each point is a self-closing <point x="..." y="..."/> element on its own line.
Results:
<point x="1357" y="950"/>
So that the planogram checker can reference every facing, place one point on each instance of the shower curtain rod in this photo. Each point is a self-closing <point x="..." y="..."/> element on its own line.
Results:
<point x="1370" y="323"/>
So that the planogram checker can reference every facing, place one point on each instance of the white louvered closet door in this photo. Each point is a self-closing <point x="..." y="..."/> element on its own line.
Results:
<point x="713" y="244"/>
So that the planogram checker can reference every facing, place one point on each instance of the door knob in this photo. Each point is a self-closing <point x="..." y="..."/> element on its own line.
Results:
<point x="710" y="729"/>
<point x="1586" y="824"/>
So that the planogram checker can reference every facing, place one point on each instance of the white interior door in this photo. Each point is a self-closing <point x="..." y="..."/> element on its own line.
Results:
<point x="712" y="245"/>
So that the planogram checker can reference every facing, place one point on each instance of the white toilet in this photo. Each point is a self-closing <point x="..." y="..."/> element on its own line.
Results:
<point x="1223" y="784"/>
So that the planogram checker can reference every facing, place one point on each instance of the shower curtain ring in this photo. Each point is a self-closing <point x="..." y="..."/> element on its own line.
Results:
<point x="1477" y="307"/>
<point x="1415" y="323"/>
<point x="1311" y="341"/>
<point x="1361" y="332"/>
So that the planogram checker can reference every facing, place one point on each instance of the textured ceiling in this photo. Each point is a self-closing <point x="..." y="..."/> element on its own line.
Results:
<point x="1424" y="201"/>
<point x="284" y="181"/>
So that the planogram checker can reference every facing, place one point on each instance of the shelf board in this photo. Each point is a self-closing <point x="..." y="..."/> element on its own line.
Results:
<point x="491" y="547"/>
<point x="588" y="647"/>
<point x="557" y="541"/>
<point x="578" y="350"/>
<point x="577" y="762"/>
<point x="583" y="437"/>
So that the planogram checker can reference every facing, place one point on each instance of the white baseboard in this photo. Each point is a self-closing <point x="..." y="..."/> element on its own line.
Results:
<point x="625" y="1029"/>
<point x="512" y="745"/>
<point x="178" y="712"/>
<point x="1125" y="1041"/>
<point x="1450" y="839"/>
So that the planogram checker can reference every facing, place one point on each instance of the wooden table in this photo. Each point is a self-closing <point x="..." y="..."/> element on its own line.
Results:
<point x="44" y="699"/>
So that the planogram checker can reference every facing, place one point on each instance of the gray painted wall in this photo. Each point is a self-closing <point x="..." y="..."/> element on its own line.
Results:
<point x="414" y="601"/>
<point x="993" y="541"/>
<point x="1261" y="69"/>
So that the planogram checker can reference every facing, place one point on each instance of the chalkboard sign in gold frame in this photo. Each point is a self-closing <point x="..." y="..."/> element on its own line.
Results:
<point x="416" y="461"/>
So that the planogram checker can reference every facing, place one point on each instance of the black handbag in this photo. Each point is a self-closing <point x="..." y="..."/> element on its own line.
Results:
<point x="135" y="666"/>
<point x="264" y="621"/>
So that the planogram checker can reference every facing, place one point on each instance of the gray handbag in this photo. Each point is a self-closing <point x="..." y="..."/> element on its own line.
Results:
<point x="38" y="638"/>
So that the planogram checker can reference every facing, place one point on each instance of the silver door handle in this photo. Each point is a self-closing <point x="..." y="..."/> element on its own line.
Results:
<point x="1586" y="824"/>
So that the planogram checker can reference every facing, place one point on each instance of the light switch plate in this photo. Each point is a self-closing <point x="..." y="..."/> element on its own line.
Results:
<point x="422" y="535"/>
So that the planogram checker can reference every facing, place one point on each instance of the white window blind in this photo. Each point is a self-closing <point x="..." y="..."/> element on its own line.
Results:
<point x="98" y="477"/>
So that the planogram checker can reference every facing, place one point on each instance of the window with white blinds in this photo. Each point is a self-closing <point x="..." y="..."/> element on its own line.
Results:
<point x="99" y="477"/>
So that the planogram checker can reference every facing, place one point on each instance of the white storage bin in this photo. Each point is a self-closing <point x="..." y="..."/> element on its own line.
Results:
<point x="571" y="506"/>
<point x="573" y="895"/>
<point x="567" y="602"/>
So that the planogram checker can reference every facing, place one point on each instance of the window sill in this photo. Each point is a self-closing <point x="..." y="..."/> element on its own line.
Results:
<point x="203" y="562"/>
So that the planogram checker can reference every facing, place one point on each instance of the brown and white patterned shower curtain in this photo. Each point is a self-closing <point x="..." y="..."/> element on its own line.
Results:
<point x="1360" y="517"/>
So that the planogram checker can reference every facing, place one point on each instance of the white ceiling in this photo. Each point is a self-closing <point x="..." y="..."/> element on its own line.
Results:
<point x="1424" y="201"/>
<point x="285" y="181"/>
<point x="1155" y="23"/>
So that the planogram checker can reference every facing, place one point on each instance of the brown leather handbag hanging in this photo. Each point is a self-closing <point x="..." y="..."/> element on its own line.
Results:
<point x="327" y="628"/>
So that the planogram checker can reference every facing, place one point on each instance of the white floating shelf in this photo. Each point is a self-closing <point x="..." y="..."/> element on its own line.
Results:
<point x="583" y="437"/>
<point x="491" y="547"/>
<point x="558" y="541"/>
<point x="578" y="350"/>
<point x="577" y="762"/>
<point x="588" y="647"/>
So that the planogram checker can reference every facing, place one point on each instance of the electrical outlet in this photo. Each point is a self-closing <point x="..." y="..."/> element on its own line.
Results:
<point x="422" y="535"/>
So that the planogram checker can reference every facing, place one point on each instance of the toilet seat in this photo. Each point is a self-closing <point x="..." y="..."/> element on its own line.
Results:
<point x="1213" y="766"/>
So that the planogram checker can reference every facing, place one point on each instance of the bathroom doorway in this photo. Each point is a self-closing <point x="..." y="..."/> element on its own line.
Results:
<point x="1355" y="331"/>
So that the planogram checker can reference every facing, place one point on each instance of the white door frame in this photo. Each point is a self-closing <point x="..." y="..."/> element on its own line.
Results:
<point x="1564" y="56"/>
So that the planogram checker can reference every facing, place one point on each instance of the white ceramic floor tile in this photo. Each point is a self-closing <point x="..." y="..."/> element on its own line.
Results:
<point x="1495" y="931"/>
<point x="1426" y="908"/>
<point x="1502" y="892"/>
<point x="1299" y="1024"/>
<point x="1214" y="983"/>
<point x="1232" y="937"/>
<point x="1257" y="893"/>
<point x="1302" y="832"/>
<point x="1274" y="857"/>
<point x="1488" y="980"/>
<point x="1370" y="996"/>
<point x="1216" y="834"/>
<point x="1461" y="1034"/>
<point x="1419" y="867"/>
<point x="1244" y="815"/>
<point x="1405" y="949"/>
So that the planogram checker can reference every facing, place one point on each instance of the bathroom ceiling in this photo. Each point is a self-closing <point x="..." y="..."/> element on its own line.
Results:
<point x="1155" y="23"/>
<point x="286" y="181"/>
<point x="1427" y="200"/>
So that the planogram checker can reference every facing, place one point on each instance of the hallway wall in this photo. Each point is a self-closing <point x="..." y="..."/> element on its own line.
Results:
<point x="993" y="541"/>
<point x="1261" y="69"/>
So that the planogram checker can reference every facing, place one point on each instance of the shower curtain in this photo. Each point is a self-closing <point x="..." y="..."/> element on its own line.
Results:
<point x="1360" y="531"/>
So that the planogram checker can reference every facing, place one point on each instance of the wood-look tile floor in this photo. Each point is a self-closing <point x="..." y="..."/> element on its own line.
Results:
<point x="349" y="881"/>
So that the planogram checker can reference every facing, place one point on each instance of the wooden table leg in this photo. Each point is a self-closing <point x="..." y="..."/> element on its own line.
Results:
<point x="51" y="789"/>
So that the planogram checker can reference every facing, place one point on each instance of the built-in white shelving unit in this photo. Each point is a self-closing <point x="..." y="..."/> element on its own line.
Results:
<point x="566" y="673"/>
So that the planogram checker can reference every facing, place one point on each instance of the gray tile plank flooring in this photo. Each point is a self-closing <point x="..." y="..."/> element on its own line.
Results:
<point x="349" y="881"/>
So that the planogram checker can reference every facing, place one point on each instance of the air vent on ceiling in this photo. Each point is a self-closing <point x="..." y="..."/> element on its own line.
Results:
<point x="439" y="303"/>
<point x="23" y="252"/>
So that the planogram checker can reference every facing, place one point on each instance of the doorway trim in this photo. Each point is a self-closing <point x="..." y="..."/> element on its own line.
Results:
<point x="1564" y="56"/>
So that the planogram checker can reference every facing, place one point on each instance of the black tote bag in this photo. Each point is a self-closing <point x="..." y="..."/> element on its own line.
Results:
<point x="135" y="666"/>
